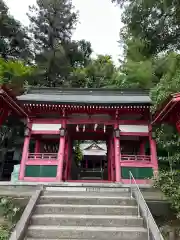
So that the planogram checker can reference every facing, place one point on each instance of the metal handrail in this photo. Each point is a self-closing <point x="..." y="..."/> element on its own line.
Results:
<point x="144" y="211"/>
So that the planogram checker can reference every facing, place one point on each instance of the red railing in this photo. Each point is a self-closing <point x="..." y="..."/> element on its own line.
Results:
<point x="42" y="156"/>
<point x="138" y="158"/>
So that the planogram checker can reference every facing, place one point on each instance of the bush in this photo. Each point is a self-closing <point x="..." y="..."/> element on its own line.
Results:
<point x="11" y="213"/>
<point x="4" y="232"/>
<point x="168" y="182"/>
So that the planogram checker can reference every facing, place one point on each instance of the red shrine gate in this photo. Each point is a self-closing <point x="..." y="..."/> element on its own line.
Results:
<point x="169" y="112"/>
<point x="57" y="117"/>
<point x="9" y="105"/>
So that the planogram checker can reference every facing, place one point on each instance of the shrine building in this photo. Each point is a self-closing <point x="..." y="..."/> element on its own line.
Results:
<point x="56" y="118"/>
<point x="169" y="112"/>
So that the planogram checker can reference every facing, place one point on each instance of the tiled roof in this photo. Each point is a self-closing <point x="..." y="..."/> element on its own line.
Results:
<point x="86" y="96"/>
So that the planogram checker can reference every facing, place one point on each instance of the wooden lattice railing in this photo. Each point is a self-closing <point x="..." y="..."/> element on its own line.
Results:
<point x="42" y="156"/>
<point x="138" y="158"/>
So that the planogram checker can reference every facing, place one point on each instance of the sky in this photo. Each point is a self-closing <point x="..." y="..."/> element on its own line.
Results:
<point x="99" y="23"/>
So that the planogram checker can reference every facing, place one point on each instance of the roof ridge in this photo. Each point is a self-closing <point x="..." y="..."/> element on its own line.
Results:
<point x="55" y="91"/>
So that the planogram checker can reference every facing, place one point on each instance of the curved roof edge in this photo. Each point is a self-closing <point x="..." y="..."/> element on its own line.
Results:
<point x="10" y="99"/>
<point x="166" y="108"/>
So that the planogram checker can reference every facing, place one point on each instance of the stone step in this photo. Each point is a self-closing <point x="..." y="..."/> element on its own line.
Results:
<point x="87" y="220"/>
<point x="90" y="187"/>
<point x="53" y="232"/>
<point x="87" y="200"/>
<point x="58" y="239"/>
<point x="90" y="178"/>
<point x="87" y="193"/>
<point x="91" y="174"/>
<point x="85" y="209"/>
<point x="61" y="239"/>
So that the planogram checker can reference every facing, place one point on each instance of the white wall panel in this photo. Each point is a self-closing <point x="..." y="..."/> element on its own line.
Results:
<point x="134" y="128"/>
<point x="45" y="127"/>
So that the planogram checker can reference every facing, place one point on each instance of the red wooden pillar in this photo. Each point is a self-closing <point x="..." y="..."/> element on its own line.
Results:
<point x="117" y="157"/>
<point x="70" y="149"/>
<point x="61" y="154"/>
<point x="142" y="148"/>
<point x="108" y="160"/>
<point x="37" y="146"/>
<point x="112" y="159"/>
<point x="66" y="158"/>
<point x="154" y="159"/>
<point x="24" y="155"/>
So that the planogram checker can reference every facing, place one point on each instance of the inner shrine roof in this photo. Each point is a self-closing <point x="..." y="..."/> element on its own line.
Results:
<point x="85" y="96"/>
<point x="93" y="149"/>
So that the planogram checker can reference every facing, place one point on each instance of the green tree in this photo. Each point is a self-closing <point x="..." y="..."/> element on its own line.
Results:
<point x="100" y="71"/>
<point x="150" y="32"/>
<point x="52" y="22"/>
<point x="14" y="40"/>
<point x="169" y="78"/>
<point x="56" y="55"/>
<point x="157" y="22"/>
<point x="78" y="78"/>
<point x="137" y="69"/>
<point x="151" y="39"/>
<point x="14" y="73"/>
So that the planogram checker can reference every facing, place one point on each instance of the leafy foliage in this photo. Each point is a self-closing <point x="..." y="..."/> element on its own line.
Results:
<point x="10" y="131"/>
<point x="170" y="79"/>
<point x="156" y="22"/>
<point x="52" y="23"/>
<point x="150" y="36"/>
<point x="167" y="138"/>
<point x="12" y="213"/>
<point x="168" y="182"/>
<point x="98" y="73"/>
<point x="14" y="41"/>
<point x="14" y="73"/>
<point x="78" y="153"/>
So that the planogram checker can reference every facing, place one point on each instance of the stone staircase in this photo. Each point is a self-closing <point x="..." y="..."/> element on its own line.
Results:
<point x="91" y="174"/>
<point x="86" y="213"/>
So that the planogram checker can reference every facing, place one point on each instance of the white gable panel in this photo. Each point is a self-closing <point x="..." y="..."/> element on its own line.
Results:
<point x="45" y="127"/>
<point x="134" y="128"/>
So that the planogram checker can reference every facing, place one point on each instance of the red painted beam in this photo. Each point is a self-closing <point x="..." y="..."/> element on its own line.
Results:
<point x="140" y="134"/>
<point x="12" y="103"/>
<point x="39" y="179"/>
<point x="45" y="132"/>
<point x="36" y="162"/>
<point x="35" y="110"/>
<point x="136" y="164"/>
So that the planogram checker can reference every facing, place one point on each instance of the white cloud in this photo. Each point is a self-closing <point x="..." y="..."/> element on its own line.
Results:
<point x="99" y="23"/>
